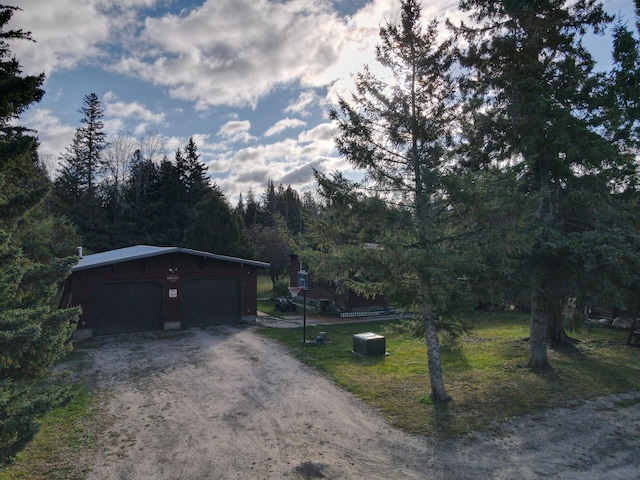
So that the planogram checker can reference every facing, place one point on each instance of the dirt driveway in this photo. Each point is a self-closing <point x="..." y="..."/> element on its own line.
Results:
<point x="224" y="403"/>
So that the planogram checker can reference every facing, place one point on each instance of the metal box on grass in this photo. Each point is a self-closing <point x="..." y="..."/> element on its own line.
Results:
<point x="369" y="344"/>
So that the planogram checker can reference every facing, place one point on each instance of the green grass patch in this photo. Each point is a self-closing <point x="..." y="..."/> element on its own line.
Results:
<point x="484" y="372"/>
<point x="265" y="286"/>
<point x="268" y="307"/>
<point x="66" y="434"/>
<point x="266" y="300"/>
<point x="266" y="303"/>
<point x="54" y="452"/>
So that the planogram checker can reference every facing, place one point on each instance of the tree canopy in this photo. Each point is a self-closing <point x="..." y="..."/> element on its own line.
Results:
<point x="539" y="97"/>
<point x="400" y="131"/>
<point x="34" y="249"/>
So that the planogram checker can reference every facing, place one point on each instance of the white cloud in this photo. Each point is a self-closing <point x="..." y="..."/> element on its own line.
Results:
<point x="284" y="124"/>
<point x="69" y="33"/>
<point x="218" y="53"/>
<point x="112" y="126"/>
<point x="299" y="106"/>
<point x="135" y="110"/>
<point x="54" y="136"/>
<point x="323" y="133"/>
<point x="134" y="116"/>
<point x="289" y="161"/>
<point x="236" y="131"/>
<point x="222" y="52"/>
<point x="233" y="52"/>
<point x="175" y="143"/>
<point x="66" y="32"/>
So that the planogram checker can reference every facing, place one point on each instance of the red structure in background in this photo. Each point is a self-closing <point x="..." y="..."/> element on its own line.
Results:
<point x="323" y="295"/>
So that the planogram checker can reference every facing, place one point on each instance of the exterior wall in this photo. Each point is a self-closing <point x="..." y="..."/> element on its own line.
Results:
<point x="170" y="271"/>
<point x="349" y="301"/>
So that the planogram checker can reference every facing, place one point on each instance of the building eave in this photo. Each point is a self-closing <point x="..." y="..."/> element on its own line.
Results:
<point x="140" y="252"/>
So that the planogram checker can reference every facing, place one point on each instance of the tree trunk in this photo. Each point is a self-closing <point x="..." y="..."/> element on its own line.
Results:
<point x="438" y="393"/>
<point x="556" y="332"/>
<point x="538" y="330"/>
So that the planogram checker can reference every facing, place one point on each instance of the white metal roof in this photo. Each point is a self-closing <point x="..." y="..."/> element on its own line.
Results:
<point x="145" y="251"/>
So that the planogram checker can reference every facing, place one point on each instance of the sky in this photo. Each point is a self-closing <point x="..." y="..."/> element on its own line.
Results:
<point x="250" y="80"/>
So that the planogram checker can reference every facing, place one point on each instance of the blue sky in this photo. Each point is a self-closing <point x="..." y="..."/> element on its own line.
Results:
<point x="250" y="80"/>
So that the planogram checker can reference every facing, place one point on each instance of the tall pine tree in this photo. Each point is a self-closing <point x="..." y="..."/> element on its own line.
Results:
<point x="76" y="187"/>
<point x="399" y="130"/>
<point x="534" y="96"/>
<point x="33" y="333"/>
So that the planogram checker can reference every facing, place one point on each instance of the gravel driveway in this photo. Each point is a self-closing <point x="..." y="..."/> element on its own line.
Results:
<point x="225" y="403"/>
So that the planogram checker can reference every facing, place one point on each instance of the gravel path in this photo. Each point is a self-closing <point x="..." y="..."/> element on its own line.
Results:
<point x="224" y="403"/>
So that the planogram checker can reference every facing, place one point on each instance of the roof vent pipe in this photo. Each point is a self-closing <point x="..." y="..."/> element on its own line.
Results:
<point x="80" y="252"/>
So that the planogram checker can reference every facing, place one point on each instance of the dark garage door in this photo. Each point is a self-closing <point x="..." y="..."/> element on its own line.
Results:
<point x="210" y="302"/>
<point x="127" y="307"/>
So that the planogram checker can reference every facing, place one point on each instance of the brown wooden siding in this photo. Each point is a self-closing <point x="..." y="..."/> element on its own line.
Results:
<point x="170" y="270"/>
<point x="349" y="301"/>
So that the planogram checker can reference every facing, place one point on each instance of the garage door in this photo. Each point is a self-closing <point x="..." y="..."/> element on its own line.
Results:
<point x="210" y="302"/>
<point x="127" y="307"/>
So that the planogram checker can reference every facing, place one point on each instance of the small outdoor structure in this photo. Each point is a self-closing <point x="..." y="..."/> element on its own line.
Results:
<point x="146" y="288"/>
<point x="369" y="344"/>
<point x="323" y="296"/>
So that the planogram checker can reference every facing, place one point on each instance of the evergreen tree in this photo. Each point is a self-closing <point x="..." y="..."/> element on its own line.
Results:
<point x="69" y="187"/>
<point x="240" y="210"/>
<point x="346" y="245"/>
<point x="33" y="334"/>
<point x="214" y="227"/>
<point x="76" y="188"/>
<point x="194" y="173"/>
<point x="621" y="110"/>
<point x="291" y="210"/>
<point x="169" y="208"/>
<point x="533" y="96"/>
<point x="82" y="161"/>
<point x="92" y="141"/>
<point x="270" y="203"/>
<point x="310" y="206"/>
<point x="278" y="203"/>
<point x="252" y="210"/>
<point x="400" y="132"/>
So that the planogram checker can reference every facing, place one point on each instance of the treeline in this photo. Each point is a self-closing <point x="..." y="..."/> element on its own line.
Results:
<point x="277" y="203"/>
<point x="126" y="190"/>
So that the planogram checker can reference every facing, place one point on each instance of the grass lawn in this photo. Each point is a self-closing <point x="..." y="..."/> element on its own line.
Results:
<point x="64" y="436"/>
<point x="484" y="372"/>
<point x="266" y="302"/>
<point x="63" y="433"/>
<point x="264" y="286"/>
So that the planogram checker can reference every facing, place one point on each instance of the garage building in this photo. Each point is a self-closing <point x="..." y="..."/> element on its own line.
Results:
<point x="145" y="288"/>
